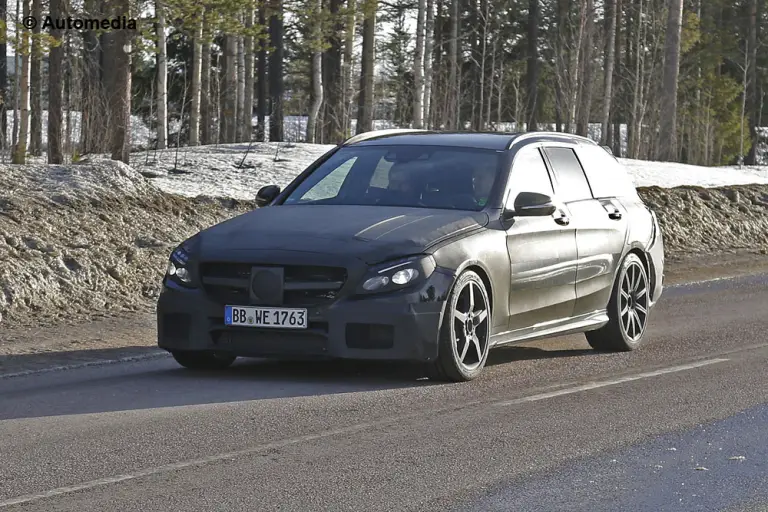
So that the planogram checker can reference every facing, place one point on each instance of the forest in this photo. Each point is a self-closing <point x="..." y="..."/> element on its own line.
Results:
<point x="667" y="80"/>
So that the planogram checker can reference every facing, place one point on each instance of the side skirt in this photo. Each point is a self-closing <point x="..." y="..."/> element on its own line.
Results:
<point x="579" y="324"/>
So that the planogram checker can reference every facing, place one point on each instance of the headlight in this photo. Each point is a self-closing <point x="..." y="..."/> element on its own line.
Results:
<point x="398" y="274"/>
<point x="179" y="269"/>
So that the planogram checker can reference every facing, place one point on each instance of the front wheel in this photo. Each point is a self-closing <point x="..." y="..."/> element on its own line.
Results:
<point x="628" y="310"/>
<point x="202" y="360"/>
<point x="465" y="333"/>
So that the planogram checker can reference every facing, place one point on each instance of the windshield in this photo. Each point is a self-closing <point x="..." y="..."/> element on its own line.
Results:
<point x="410" y="176"/>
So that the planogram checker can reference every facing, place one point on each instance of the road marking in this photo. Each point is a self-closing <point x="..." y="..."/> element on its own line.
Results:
<point x="340" y="431"/>
<point x="611" y="382"/>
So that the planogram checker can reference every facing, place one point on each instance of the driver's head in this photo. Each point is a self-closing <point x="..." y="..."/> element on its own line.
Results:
<point x="399" y="179"/>
<point x="482" y="180"/>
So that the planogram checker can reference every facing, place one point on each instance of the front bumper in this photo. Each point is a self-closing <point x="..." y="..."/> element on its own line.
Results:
<point x="394" y="326"/>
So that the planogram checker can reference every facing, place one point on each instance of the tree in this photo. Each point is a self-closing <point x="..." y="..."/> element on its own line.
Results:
<point x="36" y="82"/>
<point x="118" y="57"/>
<point x="276" y="89"/>
<point x="667" y="147"/>
<point x="365" y="99"/>
<point x="55" y="86"/>
<point x="20" y="152"/>
<point x="317" y="68"/>
<point x="532" y="74"/>
<point x="418" y="66"/>
<point x="162" y="77"/>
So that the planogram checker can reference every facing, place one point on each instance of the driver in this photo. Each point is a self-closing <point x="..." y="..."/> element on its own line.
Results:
<point x="482" y="182"/>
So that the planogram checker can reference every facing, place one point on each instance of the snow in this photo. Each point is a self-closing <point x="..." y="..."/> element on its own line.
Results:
<point x="214" y="170"/>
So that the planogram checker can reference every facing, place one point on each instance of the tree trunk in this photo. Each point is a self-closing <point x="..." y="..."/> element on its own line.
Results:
<point x="276" y="72"/>
<point x="20" y="153"/>
<point x="206" y="114"/>
<point x="240" y="116"/>
<point x="418" y="66"/>
<point x="428" y="49"/>
<point x="349" y="46"/>
<point x="610" y="36"/>
<point x="317" y="71"/>
<point x="333" y="113"/>
<point x="229" y="93"/>
<point x="585" y="94"/>
<point x="197" y="57"/>
<point x="3" y="79"/>
<point x="261" y="108"/>
<point x="55" y="83"/>
<point x="36" y="82"/>
<point x="162" y="78"/>
<point x="754" y="103"/>
<point x="248" y="99"/>
<point x="667" y="147"/>
<point x="365" y="99"/>
<point x="454" y="101"/>
<point x="618" y="112"/>
<point x="119" y="89"/>
<point x="532" y="71"/>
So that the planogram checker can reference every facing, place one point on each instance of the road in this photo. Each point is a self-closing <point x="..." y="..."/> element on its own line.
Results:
<point x="678" y="425"/>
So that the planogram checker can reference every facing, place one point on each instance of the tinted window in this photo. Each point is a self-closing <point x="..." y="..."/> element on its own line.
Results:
<point x="529" y="174"/>
<point x="573" y="185"/>
<point x="607" y="177"/>
<point x="411" y="176"/>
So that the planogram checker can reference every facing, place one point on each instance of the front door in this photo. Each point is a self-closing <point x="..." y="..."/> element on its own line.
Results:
<point x="542" y="252"/>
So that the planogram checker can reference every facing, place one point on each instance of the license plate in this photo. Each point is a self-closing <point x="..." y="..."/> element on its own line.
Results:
<point x="249" y="316"/>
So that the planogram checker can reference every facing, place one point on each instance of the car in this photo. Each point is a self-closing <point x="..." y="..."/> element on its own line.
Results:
<point x="426" y="247"/>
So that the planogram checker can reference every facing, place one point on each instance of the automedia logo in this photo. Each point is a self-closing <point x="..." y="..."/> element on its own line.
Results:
<point x="50" y="23"/>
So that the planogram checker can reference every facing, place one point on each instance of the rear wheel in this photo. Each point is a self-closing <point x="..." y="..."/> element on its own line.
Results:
<point x="202" y="360"/>
<point x="465" y="334"/>
<point x="627" y="310"/>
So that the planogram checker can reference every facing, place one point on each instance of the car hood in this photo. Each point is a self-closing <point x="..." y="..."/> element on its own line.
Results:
<point x="371" y="233"/>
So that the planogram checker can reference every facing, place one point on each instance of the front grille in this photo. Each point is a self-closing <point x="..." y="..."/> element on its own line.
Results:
<point x="304" y="285"/>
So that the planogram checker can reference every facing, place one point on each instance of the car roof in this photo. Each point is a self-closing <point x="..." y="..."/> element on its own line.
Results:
<point x="499" y="141"/>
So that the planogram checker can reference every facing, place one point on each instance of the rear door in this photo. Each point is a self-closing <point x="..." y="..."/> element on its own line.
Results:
<point x="600" y="224"/>
<point x="542" y="251"/>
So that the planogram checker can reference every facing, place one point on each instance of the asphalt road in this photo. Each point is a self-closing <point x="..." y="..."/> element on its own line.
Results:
<point x="678" y="425"/>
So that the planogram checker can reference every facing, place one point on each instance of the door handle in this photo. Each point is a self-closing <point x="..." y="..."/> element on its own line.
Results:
<point x="615" y="215"/>
<point x="562" y="219"/>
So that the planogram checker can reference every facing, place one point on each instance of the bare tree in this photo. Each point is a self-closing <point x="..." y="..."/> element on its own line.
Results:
<point x="428" y="50"/>
<point x="365" y="100"/>
<point x="20" y="154"/>
<point x="349" y="45"/>
<point x="754" y="104"/>
<point x="667" y="146"/>
<point x="317" y="69"/>
<point x="418" y="67"/>
<point x="532" y="74"/>
<point x="197" y="58"/>
<point x="206" y="113"/>
<point x="119" y="85"/>
<point x="276" y="78"/>
<point x="247" y="116"/>
<point x="241" y="134"/>
<point x="36" y="82"/>
<point x="162" y="78"/>
<point x="229" y="90"/>
<point x="55" y="83"/>
<point x="453" y="74"/>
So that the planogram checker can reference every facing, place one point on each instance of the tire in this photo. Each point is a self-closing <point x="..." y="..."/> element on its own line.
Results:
<point x="627" y="317"/>
<point x="201" y="360"/>
<point x="459" y="338"/>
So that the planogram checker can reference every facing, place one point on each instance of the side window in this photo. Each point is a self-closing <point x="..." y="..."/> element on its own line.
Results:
<point x="572" y="183"/>
<point x="529" y="174"/>
<point x="607" y="177"/>
<point x="330" y="185"/>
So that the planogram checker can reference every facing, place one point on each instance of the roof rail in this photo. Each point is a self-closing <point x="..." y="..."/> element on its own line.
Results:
<point x="571" y="137"/>
<point x="380" y="133"/>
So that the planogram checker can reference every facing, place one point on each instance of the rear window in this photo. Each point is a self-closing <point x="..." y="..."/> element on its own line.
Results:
<point x="607" y="176"/>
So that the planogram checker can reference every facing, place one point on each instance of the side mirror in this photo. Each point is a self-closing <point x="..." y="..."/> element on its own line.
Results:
<point x="531" y="204"/>
<point x="266" y="195"/>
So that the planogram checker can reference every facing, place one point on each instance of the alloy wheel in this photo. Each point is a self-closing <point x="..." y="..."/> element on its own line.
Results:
<point x="633" y="302"/>
<point x="470" y="326"/>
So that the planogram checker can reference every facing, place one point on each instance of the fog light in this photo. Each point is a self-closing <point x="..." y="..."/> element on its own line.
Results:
<point x="405" y="276"/>
<point x="375" y="283"/>
<point x="171" y="270"/>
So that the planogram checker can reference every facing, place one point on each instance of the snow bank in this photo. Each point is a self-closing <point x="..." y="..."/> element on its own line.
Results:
<point x="216" y="171"/>
<point x="89" y="238"/>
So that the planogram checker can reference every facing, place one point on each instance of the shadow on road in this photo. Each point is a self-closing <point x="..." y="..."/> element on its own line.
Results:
<point x="160" y="382"/>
